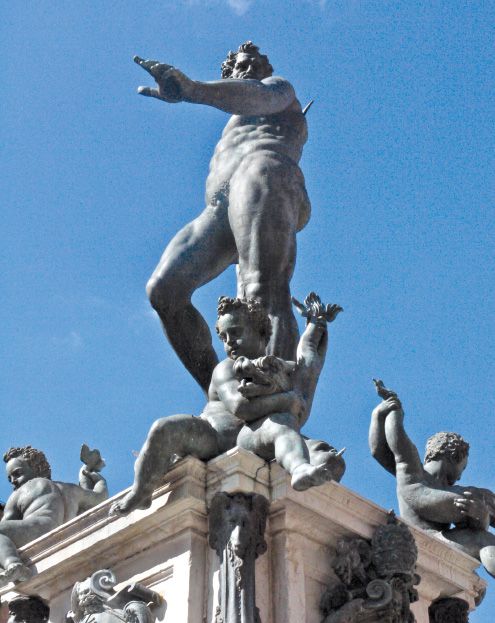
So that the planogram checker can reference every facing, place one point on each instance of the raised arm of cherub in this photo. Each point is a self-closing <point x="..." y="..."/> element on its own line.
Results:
<point x="234" y="96"/>
<point x="388" y="438"/>
<point x="314" y="341"/>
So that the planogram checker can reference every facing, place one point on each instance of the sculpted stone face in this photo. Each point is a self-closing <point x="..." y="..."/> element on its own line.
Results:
<point x="455" y="469"/>
<point x="248" y="67"/>
<point x="19" y="472"/>
<point x="240" y="337"/>
<point x="88" y="601"/>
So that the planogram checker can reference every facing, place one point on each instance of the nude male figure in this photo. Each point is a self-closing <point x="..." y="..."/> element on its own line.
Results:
<point x="256" y="201"/>
<point x="39" y="505"/>
<point x="267" y="425"/>
<point x="427" y="494"/>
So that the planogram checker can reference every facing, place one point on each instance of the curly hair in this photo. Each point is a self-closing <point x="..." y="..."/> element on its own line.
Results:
<point x="29" y="608"/>
<point x="252" y="311"/>
<point x="450" y="445"/>
<point x="35" y="458"/>
<point x="246" y="48"/>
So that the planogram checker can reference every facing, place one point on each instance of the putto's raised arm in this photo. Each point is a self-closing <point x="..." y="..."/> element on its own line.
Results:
<point x="387" y="431"/>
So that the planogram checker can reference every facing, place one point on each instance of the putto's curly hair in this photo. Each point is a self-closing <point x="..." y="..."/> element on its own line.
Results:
<point x="35" y="458"/>
<point x="246" y="48"/>
<point x="252" y="310"/>
<point x="450" y="445"/>
<point x="29" y="608"/>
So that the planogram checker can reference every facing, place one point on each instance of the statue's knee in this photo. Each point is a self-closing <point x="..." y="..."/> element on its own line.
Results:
<point x="164" y="294"/>
<point x="158" y="429"/>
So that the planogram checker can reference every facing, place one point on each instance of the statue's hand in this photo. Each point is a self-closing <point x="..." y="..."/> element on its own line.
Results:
<point x="387" y="406"/>
<point x="89" y="478"/>
<point x="173" y="85"/>
<point x="474" y="510"/>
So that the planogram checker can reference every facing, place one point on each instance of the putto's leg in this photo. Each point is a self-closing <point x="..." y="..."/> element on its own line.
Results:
<point x="14" y="569"/>
<point x="487" y="556"/>
<point x="263" y="214"/>
<point x="195" y="256"/>
<point x="176" y="435"/>
<point x="276" y="436"/>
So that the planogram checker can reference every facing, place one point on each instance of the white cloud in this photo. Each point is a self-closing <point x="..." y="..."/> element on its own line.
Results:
<point x="239" y="6"/>
<point x="71" y="341"/>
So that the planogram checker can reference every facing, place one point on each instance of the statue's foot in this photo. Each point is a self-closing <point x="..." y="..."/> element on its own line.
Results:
<point x="334" y="462"/>
<point x="306" y="476"/>
<point x="130" y="502"/>
<point x="16" y="572"/>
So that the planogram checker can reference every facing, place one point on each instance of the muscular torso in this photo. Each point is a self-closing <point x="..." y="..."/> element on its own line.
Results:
<point x="281" y="135"/>
<point x="39" y="497"/>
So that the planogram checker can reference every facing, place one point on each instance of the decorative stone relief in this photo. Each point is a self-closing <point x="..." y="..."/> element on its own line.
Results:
<point x="95" y="601"/>
<point x="28" y="609"/>
<point x="237" y="527"/>
<point x="375" y="580"/>
<point x="449" y="610"/>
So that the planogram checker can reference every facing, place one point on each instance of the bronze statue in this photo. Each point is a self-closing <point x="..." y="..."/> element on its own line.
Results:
<point x="39" y="504"/>
<point x="237" y="413"/>
<point x="256" y="201"/>
<point x="428" y="496"/>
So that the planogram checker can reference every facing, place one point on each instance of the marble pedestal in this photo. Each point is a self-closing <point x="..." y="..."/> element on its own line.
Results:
<point x="166" y="546"/>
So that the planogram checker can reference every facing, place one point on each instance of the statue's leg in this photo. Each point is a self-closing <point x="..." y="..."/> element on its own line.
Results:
<point x="8" y="552"/>
<point x="195" y="256"/>
<point x="487" y="556"/>
<point x="14" y="569"/>
<point x="263" y="213"/>
<point x="321" y="453"/>
<point x="15" y="533"/>
<point x="277" y="436"/>
<point x="177" y="435"/>
<point x="479" y="544"/>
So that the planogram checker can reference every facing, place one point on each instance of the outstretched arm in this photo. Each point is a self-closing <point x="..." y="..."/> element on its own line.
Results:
<point x="379" y="447"/>
<point x="237" y="97"/>
<point x="388" y="438"/>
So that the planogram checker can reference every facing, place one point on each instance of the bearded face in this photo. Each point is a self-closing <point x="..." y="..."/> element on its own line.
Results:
<point x="89" y="603"/>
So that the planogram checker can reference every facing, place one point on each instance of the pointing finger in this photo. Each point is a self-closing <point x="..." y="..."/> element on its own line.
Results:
<point x="149" y="92"/>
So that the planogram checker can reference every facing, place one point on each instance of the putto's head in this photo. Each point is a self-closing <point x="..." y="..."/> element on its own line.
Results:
<point x="247" y="63"/>
<point x="24" y="464"/>
<point x="450" y="447"/>
<point x="28" y="609"/>
<point x="243" y="326"/>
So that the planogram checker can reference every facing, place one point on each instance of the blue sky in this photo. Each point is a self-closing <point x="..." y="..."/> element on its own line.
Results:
<point x="399" y="167"/>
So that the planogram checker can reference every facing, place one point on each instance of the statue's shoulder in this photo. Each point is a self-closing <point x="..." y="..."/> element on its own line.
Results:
<point x="35" y="488"/>
<point x="223" y="370"/>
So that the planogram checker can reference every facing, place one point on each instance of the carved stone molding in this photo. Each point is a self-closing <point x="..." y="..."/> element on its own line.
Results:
<point x="450" y="610"/>
<point x="236" y="527"/>
<point x="374" y="579"/>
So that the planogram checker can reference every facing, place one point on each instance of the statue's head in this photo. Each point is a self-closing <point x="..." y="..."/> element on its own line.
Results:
<point x="247" y="63"/>
<point x="85" y="601"/>
<point x="24" y="464"/>
<point x="452" y="450"/>
<point x="243" y="326"/>
<point x="28" y="609"/>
